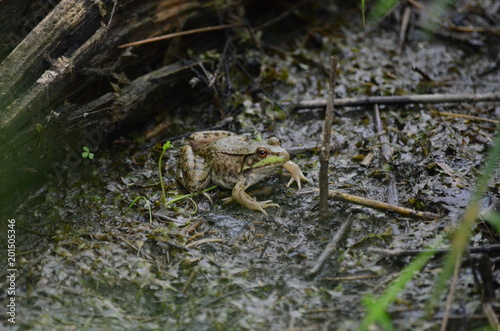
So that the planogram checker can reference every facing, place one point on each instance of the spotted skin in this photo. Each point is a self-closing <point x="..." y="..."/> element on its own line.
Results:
<point x="233" y="162"/>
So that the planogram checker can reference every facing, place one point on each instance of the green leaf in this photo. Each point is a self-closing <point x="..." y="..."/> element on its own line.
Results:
<point x="87" y="154"/>
<point x="167" y="145"/>
<point x="493" y="217"/>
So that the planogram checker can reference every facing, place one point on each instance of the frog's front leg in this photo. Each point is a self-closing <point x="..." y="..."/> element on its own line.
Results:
<point x="193" y="171"/>
<point x="296" y="173"/>
<point x="198" y="139"/>
<point x="240" y="196"/>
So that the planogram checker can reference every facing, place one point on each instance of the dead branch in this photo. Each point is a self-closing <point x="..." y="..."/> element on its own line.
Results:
<point x="491" y="315"/>
<point x="406" y="212"/>
<point x="414" y="252"/>
<point x="51" y="99"/>
<point x="451" y="294"/>
<point x="331" y="247"/>
<point x="324" y="156"/>
<point x="483" y="266"/>
<point x="387" y="149"/>
<point x="469" y="117"/>
<point x="405" y="21"/>
<point x="401" y="100"/>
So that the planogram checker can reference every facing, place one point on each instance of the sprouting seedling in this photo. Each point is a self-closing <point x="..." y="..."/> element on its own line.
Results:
<point x="87" y="153"/>
<point x="257" y="135"/>
<point x="166" y="146"/>
<point x="148" y="204"/>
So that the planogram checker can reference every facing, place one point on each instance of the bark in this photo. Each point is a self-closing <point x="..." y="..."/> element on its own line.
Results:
<point x="64" y="83"/>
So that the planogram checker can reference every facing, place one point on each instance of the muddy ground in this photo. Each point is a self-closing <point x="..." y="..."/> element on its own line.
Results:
<point x="87" y="261"/>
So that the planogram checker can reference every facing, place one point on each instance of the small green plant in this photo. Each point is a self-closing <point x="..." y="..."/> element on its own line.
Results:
<point x="363" y="9"/>
<point x="257" y="135"/>
<point x="166" y="146"/>
<point x="87" y="154"/>
<point x="148" y="204"/>
<point x="381" y="8"/>
<point x="190" y="195"/>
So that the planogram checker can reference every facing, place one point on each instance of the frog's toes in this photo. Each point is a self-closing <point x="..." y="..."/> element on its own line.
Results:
<point x="207" y="196"/>
<point x="296" y="174"/>
<point x="225" y="201"/>
<point x="267" y="204"/>
<point x="297" y="177"/>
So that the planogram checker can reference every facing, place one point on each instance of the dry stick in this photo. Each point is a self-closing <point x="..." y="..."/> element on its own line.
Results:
<point x="341" y="279"/>
<point x="414" y="252"/>
<point x="405" y="20"/>
<point x="341" y="196"/>
<point x="190" y="280"/>
<point x="182" y="33"/>
<point x="484" y="267"/>
<point x="326" y="137"/>
<point x="331" y="247"/>
<point x="407" y="99"/>
<point x="469" y="117"/>
<point x="293" y="151"/>
<point x="451" y="294"/>
<point x="387" y="149"/>
<point x="491" y="315"/>
<point x="204" y="241"/>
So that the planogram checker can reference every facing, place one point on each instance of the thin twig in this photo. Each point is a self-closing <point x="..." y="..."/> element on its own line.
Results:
<point x="326" y="137"/>
<point x="293" y="151"/>
<point x="482" y="265"/>
<point x="451" y="294"/>
<point x="341" y="196"/>
<point x="387" y="149"/>
<point x="182" y="33"/>
<point x="405" y="21"/>
<point x="190" y="280"/>
<point x="349" y="278"/>
<point x="491" y="315"/>
<point x="203" y="241"/>
<point x="406" y="99"/>
<point x="332" y="246"/>
<point x="414" y="252"/>
<point x="403" y="252"/>
<point x="469" y="117"/>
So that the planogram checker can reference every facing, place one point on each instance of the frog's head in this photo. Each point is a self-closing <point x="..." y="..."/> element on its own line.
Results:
<point x="266" y="157"/>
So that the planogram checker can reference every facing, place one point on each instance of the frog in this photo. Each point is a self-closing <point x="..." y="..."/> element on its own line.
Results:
<point x="234" y="162"/>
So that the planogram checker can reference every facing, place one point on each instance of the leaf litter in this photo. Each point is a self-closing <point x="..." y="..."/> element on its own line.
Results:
<point x="91" y="263"/>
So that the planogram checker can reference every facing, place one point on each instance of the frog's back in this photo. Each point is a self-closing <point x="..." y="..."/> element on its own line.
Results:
<point x="225" y="157"/>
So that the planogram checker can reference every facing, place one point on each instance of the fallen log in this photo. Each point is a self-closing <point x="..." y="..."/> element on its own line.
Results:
<point x="56" y="64"/>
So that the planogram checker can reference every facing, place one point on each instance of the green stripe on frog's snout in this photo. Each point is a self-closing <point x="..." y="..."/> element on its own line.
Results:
<point x="269" y="161"/>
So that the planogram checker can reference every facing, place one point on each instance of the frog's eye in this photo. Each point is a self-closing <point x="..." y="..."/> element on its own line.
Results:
<point x="262" y="152"/>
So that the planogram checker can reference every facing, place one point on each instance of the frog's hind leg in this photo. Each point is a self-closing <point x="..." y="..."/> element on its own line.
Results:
<point x="193" y="171"/>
